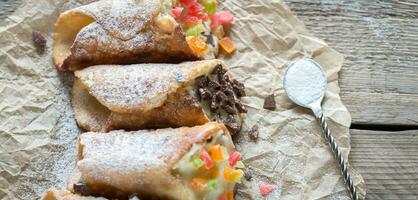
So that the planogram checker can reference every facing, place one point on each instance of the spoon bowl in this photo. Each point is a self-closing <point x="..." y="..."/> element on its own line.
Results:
<point x="305" y="84"/>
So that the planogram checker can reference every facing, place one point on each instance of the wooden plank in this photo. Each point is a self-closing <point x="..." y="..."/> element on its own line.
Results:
<point x="388" y="162"/>
<point x="379" y="80"/>
<point x="7" y="7"/>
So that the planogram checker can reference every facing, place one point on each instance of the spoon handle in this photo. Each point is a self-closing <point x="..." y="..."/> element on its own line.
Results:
<point x="340" y="159"/>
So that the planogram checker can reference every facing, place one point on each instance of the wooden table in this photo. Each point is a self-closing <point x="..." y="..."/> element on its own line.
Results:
<point x="379" y="84"/>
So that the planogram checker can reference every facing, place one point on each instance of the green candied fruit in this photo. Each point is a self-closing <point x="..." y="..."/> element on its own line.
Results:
<point x="197" y="163"/>
<point x="210" y="6"/>
<point x="239" y="165"/>
<point x="195" y="30"/>
<point x="212" y="184"/>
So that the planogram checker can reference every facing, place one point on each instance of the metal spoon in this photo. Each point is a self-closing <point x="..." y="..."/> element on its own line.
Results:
<point x="305" y="84"/>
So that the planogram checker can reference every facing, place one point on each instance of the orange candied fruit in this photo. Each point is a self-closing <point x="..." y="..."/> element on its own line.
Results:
<point x="196" y="43"/>
<point x="214" y="172"/>
<point x="229" y="195"/>
<point x="199" y="184"/>
<point x="227" y="45"/>
<point x="232" y="175"/>
<point x="216" y="153"/>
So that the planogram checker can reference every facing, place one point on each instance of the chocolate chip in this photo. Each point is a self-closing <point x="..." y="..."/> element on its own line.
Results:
<point x="226" y="78"/>
<point x="240" y="107"/>
<point x="214" y="104"/>
<point x="239" y="89"/>
<point x="230" y="102"/>
<point x="269" y="103"/>
<point x="231" y="123"/>
<point x="254" y="132"/>
<point x="201" y="81"/>
<point x="228" y="92"/>
<point x="229" y="109"/>
<point x="81" y="188"/>
<point x="247" y="174"/>
<point x="213" y="85"/>
<point x="204" y="94"/>
<point x="220" y="96"/>
<point x="219" y="70"/>
<point x="39" y="41"/>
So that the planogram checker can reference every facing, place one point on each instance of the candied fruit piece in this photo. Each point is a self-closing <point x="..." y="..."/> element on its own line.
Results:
<point x="233" y="175"/>
<point x="216" y="153"/>
<point x="196" y="43"/>
<point x="176" y="12"/>
<point x="197" y="163"/>
<point x="234" y="158"/>
<point x="210" y="6"/>
<point x="195" y="30"/>
<point x="188" y="3"/>
<point x="265" y="188"/>
<point x="199" y="184"/>
<point x="207" y="160"/>
<point x="212" y="184"/>
<point x="227" y="45"/>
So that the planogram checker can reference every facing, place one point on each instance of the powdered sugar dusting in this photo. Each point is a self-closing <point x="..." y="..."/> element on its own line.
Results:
<point x="123" y="19"/>
<point x="131" y="161"/>
<point x="142" y="87"/>
<point x="122" y="152"/>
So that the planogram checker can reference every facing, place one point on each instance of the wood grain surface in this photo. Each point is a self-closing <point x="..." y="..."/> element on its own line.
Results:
<point x="388" y="162"/>
<point x="379" y="83"/>
<point x="7" y="7"/>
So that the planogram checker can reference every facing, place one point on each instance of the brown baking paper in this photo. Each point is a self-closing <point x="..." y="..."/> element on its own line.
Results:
<point x="38" y="131"/>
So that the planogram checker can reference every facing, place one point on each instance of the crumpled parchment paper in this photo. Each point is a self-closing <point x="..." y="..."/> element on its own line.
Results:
<point x="38" y="131"/>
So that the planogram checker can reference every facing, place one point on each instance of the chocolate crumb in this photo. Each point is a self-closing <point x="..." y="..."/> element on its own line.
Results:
<point x="247" y="174"/>
<point x="254" y="132"/>
<point x="269" y="103"/>
<point x="232" y="125"/>
<point x="229" y="109"/>
<point x="213" y="85"/>
<point x="39" y="41"/>
<point x="219" y="70"/>
<point x="204" y="94"/>
<point x="220" y="96"/>
<point x="239" y="88"/>
<point x="202" y="81"/>
<point x="81" y="188"/>
<point x="226" y="78"/>
<point x="229" y="93"/>
<point x="240" y="107"/>
<point x="230" y="102"/>
<point x="220" y="74"/>
<point x="227" y="89"/>
<point x="214" y="104"/>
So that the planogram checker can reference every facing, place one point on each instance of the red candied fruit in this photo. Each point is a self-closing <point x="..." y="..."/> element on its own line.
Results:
<point x="188" y="3"/>
<point x="234" y="158"/>
<point x="265" y="188"/>
<point x="204" y="155"/>
<point x="190" y="20"/>
<point x="176" y="12"/>
<point x="221" y="18"/>
<point x="195" y="9"/>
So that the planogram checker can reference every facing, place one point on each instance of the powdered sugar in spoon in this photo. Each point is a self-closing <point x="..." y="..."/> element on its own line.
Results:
<point x="305" y="84"/>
